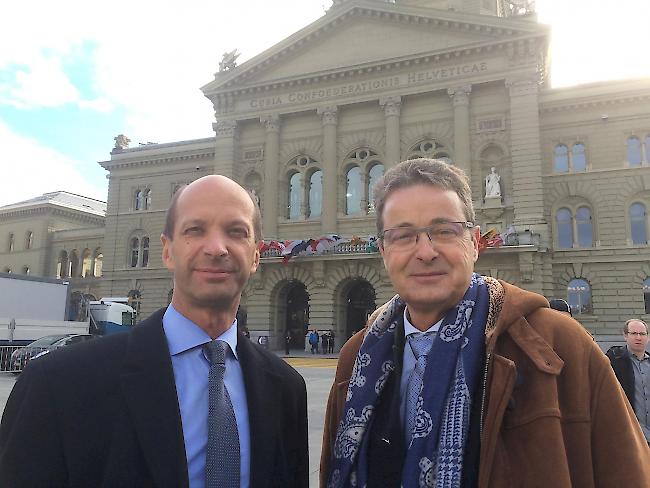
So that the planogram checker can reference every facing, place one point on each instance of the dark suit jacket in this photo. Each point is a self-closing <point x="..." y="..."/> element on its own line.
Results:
<point x="105" y="413"/>
<point x="621" y="361"/>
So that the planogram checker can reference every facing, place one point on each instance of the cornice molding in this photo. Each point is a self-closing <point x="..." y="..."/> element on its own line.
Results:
<point x="615" y="98"/>
<point x="77" y="215"/>
<point x="167" y="158"/>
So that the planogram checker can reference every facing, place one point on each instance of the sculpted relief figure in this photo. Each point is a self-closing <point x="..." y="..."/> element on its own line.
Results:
<point x="492" y="184"/>
<point x="121" y="142"/>
<point x="229" y="60"/>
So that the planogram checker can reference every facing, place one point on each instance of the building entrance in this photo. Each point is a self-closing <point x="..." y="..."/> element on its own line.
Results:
<point x="361" y="303"/>
<point x="297" y="317"/>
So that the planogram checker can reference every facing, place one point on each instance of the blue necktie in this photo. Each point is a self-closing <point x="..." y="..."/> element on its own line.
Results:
<point x="420" y="345"/>
<point x="222" y="453"/>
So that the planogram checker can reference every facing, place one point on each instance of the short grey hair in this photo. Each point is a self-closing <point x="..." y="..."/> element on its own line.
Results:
<point x="626" y="328"/>
<point x="435" y="172"/>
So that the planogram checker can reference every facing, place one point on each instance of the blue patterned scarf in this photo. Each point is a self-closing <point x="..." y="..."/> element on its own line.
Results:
<point x="451" y="378"/>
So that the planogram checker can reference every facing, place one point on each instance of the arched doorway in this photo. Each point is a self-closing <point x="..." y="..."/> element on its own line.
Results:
<point x="360" y="299"/>
<point x="294" y="302"/>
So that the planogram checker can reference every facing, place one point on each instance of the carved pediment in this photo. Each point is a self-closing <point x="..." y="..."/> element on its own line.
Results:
<point x="365" y="33"/>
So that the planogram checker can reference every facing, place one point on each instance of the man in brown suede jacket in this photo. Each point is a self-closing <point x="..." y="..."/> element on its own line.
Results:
<point x="464" y="380"/>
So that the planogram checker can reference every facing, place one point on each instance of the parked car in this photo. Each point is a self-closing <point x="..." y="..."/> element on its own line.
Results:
<point x="44" y="345"/>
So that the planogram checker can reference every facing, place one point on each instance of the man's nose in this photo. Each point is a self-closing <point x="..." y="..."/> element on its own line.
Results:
<point x="215" y="244"/>
<point x="425" y="247"/>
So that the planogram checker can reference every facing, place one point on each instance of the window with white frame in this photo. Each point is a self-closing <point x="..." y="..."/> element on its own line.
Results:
<point x="142" y="199"/>
<point x="315" y="202"/>
<point x="574" y="227"/>
<point x="362" y="170"/>
<point x="29" y="240"/>
<point x="638" y="223"/>
<point x="98" y="263"/>
<point x="10" y="245"/>
<point x="304" y="188"/>
<point x="573" y="160"/>
<point x="139" y="252"/>
<point x="638" y="150"/>
<point x="579" y="296"/>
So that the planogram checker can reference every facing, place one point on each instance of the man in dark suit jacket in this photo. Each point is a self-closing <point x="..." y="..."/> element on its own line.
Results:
<point x="117" y="412"/>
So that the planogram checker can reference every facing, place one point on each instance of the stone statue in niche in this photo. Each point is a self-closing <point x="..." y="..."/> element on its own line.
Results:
<point x="492" y="184"/>
<point x="255" y="196"/>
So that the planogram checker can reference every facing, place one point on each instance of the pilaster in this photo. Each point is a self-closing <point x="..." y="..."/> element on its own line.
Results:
<point x="271" y="167"/>
<point x="329" y="118"/>
<point x="462" y="153"/>
<point x="225" y="147"/>
<point x="392" y="107"/>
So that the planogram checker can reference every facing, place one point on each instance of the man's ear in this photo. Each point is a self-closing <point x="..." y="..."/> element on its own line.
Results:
<point x="167" y="258"/>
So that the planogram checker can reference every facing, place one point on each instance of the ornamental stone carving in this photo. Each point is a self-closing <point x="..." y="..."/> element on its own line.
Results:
<point x="229" y="60"/>
<point x="225" y="128"/>
<point x="460" y="94"/>
<point x="271" y="122"/>
<point x="392" y="105"/>
<point x="121" y="143"/>
<point x="329" y="115"/>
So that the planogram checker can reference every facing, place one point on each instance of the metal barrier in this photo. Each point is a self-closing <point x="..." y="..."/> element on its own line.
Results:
<point x="14" y="358"/>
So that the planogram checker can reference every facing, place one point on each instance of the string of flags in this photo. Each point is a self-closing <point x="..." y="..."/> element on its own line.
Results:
<point x="316" y="246"/>
<point x="325" y="244"/>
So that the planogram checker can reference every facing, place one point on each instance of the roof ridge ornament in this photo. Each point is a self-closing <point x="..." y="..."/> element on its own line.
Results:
<point x="229" y="60"/>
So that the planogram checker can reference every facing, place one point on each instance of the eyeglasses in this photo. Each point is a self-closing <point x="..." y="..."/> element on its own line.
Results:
<point x="639" y="334"/>
<point x="405" y="238"/>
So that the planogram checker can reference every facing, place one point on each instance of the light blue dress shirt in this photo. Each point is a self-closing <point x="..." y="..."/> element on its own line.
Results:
<point x="409" y="361"/>
<point x="191" y="369"/>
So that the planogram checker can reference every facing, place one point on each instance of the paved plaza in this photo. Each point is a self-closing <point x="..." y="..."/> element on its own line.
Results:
<point x="318" y="373"/>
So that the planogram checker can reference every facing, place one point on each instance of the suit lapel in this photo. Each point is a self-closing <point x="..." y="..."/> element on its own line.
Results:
<point x="263" y="398"/>
<point x="150" y="391"/>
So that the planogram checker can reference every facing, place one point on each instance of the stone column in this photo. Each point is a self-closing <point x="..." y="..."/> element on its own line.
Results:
<point x="224" y="147"/>
<point x="392" y="106"/>
<point x="462" y="153"/>
<point x="330" y="169"/>
<point x="269" y="205"/>
<point x="526" y="150"/>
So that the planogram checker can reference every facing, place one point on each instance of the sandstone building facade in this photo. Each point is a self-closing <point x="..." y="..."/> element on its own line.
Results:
<point x="313" y="121"/>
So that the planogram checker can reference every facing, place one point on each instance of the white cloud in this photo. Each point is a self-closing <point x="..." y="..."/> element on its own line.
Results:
<point x="29" y="169"/>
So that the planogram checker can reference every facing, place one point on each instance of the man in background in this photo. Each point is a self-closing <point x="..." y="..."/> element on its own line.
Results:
<point x="631" y="364"/>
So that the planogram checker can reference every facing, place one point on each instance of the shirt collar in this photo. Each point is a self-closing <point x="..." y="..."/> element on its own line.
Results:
<point x="183" y="334"/>
<point x="409" y="328"/>
<point x="632" y="355"/>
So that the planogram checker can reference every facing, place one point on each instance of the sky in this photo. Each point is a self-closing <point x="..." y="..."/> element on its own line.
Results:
<point x="74" y="74"/>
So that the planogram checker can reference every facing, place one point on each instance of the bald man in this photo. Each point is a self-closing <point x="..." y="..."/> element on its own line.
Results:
<point x="146" y="408"/>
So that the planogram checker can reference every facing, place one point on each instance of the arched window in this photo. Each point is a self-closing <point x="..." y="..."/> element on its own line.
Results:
<point x="145" y="252"/>
<point x="638" y="229"/>
<point x="25" y="270"/>
<point x="86" y="263"/>
<point x="29" y="239"/>
<point x="561" y="156"/>
<point x="564" y="228"/>
<point x="315" y="194"/>
<point x="353" y="191"/>
<point x="578" y="157"/>
<point x="99" y="263"/>
<point x="634" y="154"/>
<point x="295" y="196"/>
<point x="376" y="172"/>
<point x="139" y="252"/>
<point x="646" y="294"/>
<point x="138" y="200"/>
<point x="579" y="296"/>
<point x="74" y="264"/>
<point x="430" y="148"/>
<point x="147" y="199"/>
<point x="62" y="270"/>
<point x="135" y="252"/>
<point x="584" y="227"/>
<point x="10" y="245"/>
